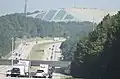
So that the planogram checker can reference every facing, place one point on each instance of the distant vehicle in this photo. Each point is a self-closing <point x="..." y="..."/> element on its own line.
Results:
<point x="19" y="55"/>
<point x="8" y="73"/>
<point x="41" y="36"/>
<point x="41" y="50"/>
<point x="36" y="42"/>
<point x="16" y="54"/>
<point x="27" y="44"/>
<point x="56" y="38"/>
<point x="53" y="45"/>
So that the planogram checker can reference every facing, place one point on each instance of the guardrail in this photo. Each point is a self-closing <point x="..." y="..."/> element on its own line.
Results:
<point x="38" y="62"/>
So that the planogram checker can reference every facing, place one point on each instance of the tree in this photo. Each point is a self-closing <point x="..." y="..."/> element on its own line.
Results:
<point x="98" y="51"/>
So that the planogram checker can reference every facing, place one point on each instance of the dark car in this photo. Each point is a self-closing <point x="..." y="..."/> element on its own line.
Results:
<point x="15" y="72"/>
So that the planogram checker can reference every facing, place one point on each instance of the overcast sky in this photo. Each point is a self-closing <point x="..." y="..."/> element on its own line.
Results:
<point x="12" y="6"/>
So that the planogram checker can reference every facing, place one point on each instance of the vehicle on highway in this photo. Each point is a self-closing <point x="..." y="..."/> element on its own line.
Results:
<point x="19" y="55"/>
<point x="40" y="74"/>
<point x="56" y="38"/>
<point x="20" y="69"/>
<point x="8" y="73"/>
<point x="45" y="71"/>
<point x="41" y="50"/>
<point x="15" y="72"/>
<point x="16" y="54"/>
<point x="26" y="65"/>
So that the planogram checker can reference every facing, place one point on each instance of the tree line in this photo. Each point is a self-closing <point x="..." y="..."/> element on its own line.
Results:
<point x="77" y="32"/>
<point x="97" y="55"/>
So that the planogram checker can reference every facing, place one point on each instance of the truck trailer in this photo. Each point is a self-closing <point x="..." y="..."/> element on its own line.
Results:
<point x="20" y="69"/>
<point x="45" y="71"/>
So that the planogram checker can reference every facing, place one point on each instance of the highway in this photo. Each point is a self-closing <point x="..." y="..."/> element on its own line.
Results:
<point x="24" y="50"/>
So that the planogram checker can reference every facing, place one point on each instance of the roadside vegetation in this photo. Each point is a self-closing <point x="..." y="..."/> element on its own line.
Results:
<point x="97" y="56"/>
<point x="37" y="52"/>
<point x="70" y="78"/>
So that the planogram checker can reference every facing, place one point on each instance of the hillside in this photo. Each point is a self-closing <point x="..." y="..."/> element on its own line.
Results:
<point x="72" y="14"/>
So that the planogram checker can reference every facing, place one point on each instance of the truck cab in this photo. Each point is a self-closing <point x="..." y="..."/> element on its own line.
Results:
<point x="19" y="69"/>
<point x="15" y="72"/>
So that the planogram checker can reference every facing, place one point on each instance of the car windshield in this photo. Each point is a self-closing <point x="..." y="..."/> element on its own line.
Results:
<point x="40" y="71"/>
<point x="16" y="69"/>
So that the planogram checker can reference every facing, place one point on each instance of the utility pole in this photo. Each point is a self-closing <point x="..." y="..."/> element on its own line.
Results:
<point x="12" y="50"/>
<point x="25" y="8"/>
<point x="30" y="64"/>
<point x="93" y="25"/>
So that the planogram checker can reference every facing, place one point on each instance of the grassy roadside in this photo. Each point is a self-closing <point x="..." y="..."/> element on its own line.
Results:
<point x="36" y="52"/>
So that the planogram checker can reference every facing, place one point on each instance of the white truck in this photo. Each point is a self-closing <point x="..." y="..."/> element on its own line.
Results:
<point x="26" y="66"/>
<point x="20" y="69"/>
<point x="26" y="63"/>
<point x="56" y="38"/>
<point x="44" y="71"/>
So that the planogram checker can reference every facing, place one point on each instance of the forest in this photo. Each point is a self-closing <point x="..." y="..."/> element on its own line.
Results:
<point x="97" y="55"/>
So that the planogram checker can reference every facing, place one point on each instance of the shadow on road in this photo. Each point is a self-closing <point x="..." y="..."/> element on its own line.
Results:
<point x="61" y="71"/>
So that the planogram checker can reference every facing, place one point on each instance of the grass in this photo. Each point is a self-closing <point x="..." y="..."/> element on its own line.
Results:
<point x="36" y="52"/>
<point x="34" y="68"/>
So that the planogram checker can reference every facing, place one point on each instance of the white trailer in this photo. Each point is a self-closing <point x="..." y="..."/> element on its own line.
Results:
<point x="26" y="65"/>
<point x="20" y="69"/>
<point x="45" y="70"/>
<point x="44" y="67"/>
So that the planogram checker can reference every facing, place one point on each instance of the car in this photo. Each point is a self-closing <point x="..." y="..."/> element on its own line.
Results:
<point x="16" y="58"/>
<point x="40" y="74"/>
<point x="53" y="45"/>
<point x="8" y="73"/>
<point x="19" y="55"/>
<point x="16" y="54"/>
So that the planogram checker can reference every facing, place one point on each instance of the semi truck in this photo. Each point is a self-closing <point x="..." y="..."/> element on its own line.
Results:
<point x="20" y="69"/>
<point x="44" y="71"/>
<point x="26" y="64"/>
